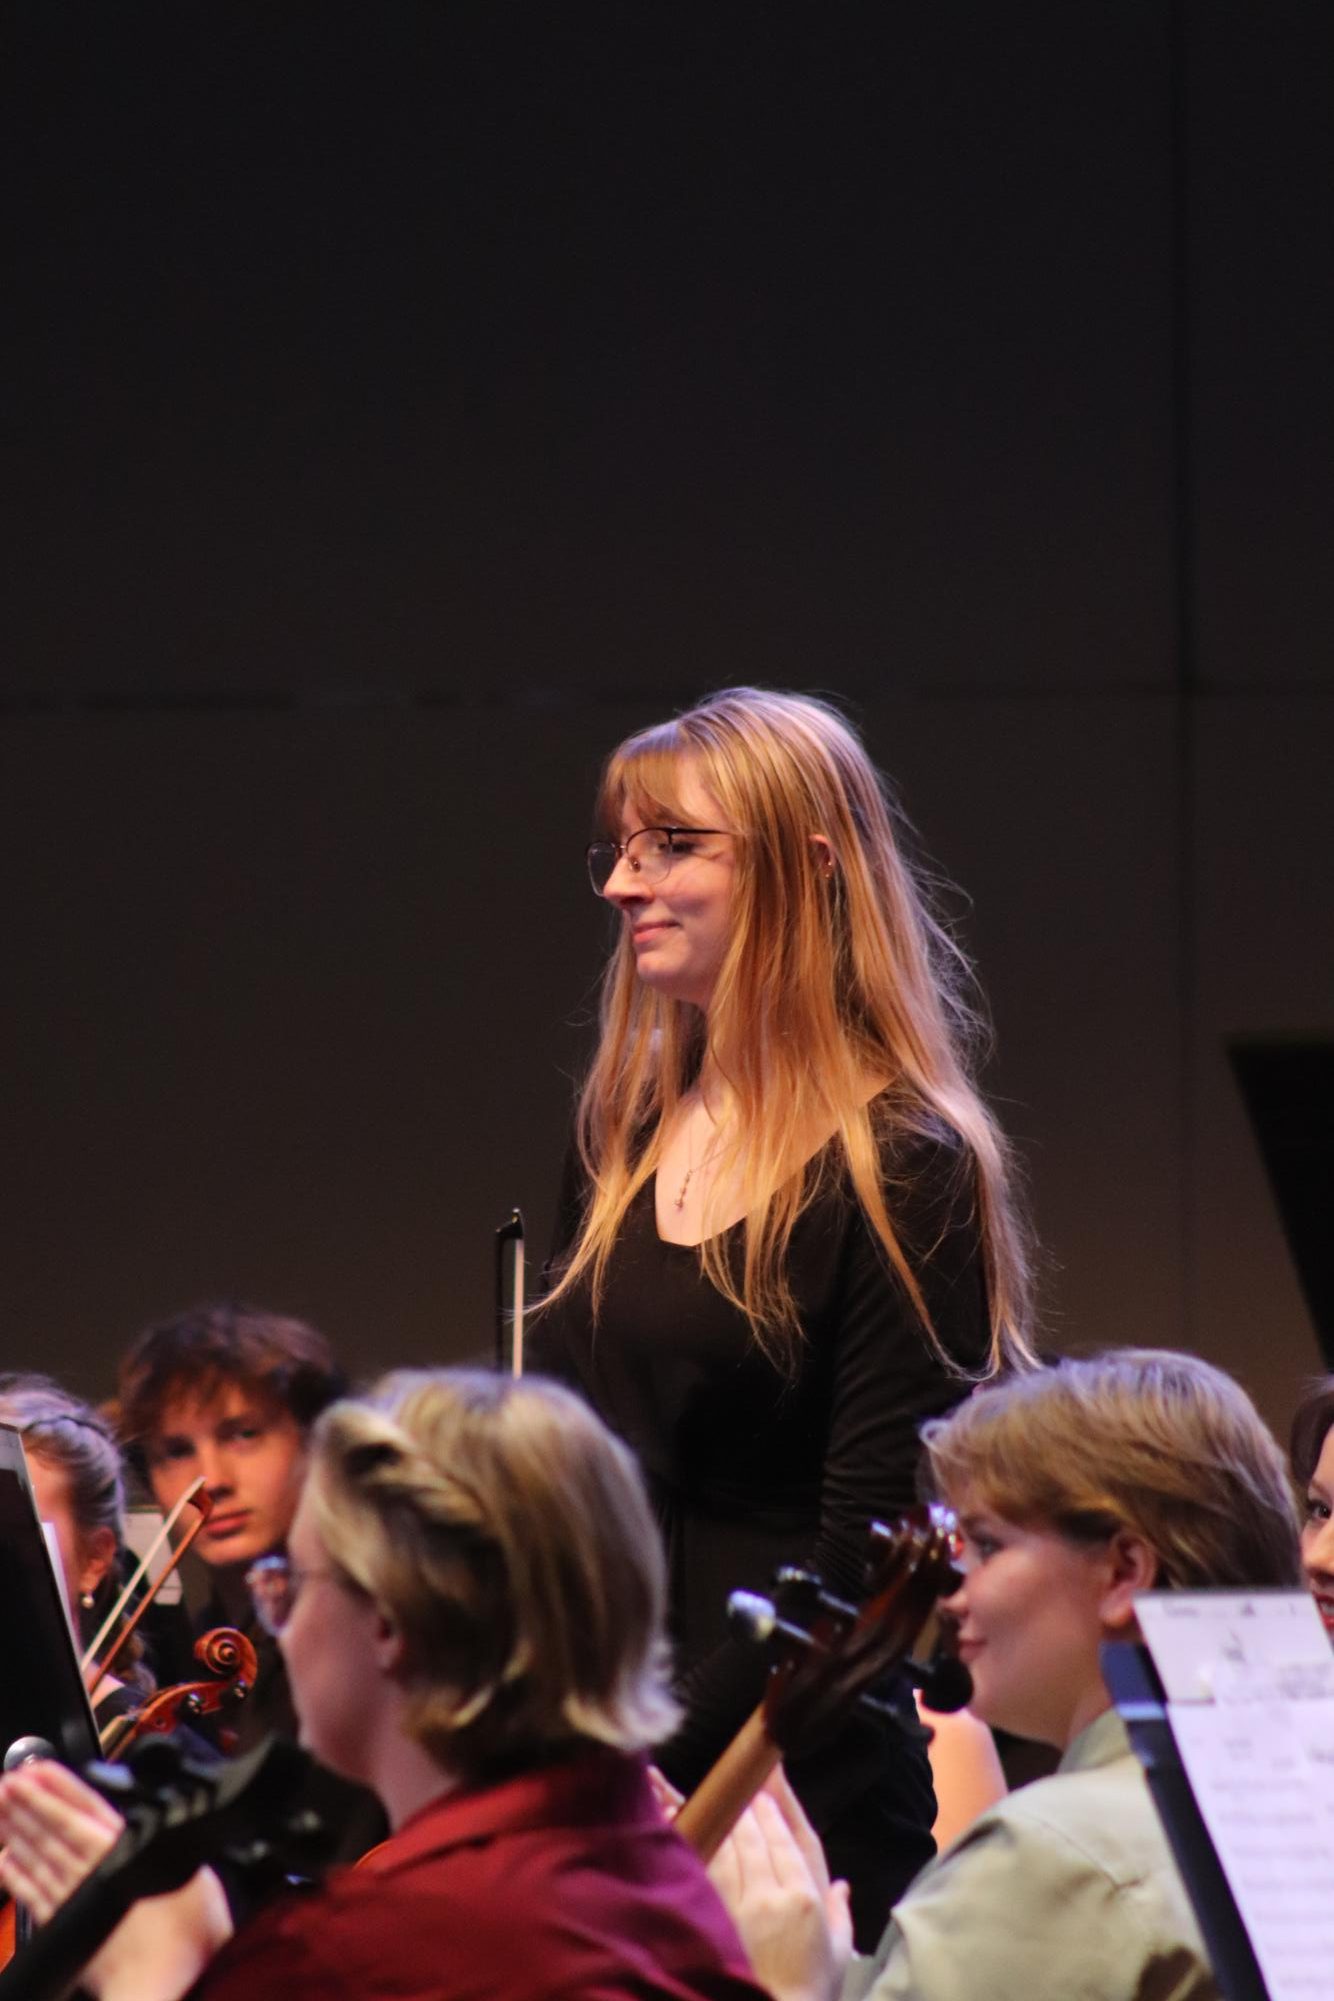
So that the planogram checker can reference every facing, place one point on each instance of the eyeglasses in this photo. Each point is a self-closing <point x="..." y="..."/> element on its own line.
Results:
<point x="274" y="1584"/>
<point x="648" y="853"/>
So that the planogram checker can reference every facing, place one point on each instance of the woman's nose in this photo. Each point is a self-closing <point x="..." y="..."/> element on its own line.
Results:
<point x="953" y="1606"/>
<point x="625" y="884"/>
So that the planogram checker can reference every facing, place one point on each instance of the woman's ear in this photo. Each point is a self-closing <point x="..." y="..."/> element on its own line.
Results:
<point x="97" y="1553"/>
<point x="823" y="851"/>
<point x="1132" y="1567"/>
<point x="388" y="1642"/>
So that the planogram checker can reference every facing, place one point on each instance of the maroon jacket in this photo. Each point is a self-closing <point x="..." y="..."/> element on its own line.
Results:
<point x="564" y="1882"/>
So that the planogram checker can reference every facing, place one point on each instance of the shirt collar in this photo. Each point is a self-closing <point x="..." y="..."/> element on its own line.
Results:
<point x="593" y="1786"/>
<point x="1098" y="1743"/>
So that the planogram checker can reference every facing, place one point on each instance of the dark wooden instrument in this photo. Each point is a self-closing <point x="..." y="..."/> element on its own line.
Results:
<point x="230" y="1665"/>
<point x="829" y="1656"/>
<point x="179" y="1812"/>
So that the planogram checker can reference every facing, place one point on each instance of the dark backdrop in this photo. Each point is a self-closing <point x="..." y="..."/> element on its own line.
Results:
<point x="406" y="400"/>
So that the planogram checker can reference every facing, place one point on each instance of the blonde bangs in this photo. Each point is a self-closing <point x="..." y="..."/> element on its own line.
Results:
<point x="643" y="777"/>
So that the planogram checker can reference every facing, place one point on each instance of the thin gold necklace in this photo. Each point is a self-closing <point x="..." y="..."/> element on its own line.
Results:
<point x="693" y="1166"/>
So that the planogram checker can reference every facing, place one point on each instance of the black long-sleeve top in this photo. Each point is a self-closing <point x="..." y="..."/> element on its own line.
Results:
<point x="750" y="1468"/>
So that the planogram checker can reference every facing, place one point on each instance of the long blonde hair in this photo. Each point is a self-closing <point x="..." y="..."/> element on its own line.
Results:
<point x="833" y="976"/>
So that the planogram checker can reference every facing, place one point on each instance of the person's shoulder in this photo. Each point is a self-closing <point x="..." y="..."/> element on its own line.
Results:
<point x="912" y="1137"/>
<point x="927" y="1168"/>
<point x="619" y="1909"/>
<point x="1102" y="1818"/>
<point x="1064" y="1887"/>
<point x="365" y="1932"/>
<point x="299" y="1941"/>
<point x="1070" y="1840"/>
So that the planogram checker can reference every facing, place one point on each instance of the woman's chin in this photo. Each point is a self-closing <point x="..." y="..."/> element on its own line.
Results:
<point x="670" y="984"/>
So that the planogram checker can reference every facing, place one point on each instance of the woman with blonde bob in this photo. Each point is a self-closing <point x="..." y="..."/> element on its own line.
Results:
<point x="471" y="1616"/>
<point x="1076" y="1489"/>
<point x="789" y="1231"/>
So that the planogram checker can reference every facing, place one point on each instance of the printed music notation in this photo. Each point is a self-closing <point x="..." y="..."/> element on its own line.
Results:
<point x="1249" y="1680"/>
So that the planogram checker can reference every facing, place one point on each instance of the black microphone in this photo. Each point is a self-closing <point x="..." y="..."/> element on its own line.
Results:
<point x="946" y="1684"/>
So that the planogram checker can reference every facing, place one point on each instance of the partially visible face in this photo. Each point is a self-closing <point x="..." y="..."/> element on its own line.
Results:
<point x="1318" y="1531"/>
<point x="1030" y="1624"/>
<point x="328" y="1645"/>
<point x="252" y="1457"/>
<point x="84" y="1565"/>
<point x="680" y="928"/>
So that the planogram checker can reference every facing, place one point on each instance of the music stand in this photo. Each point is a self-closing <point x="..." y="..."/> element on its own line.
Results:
<point x="1137" y="1692"/>
<point x="41" y="1688"/>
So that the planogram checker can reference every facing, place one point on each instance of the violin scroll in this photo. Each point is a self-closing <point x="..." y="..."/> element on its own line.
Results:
<point x="227" y="1653"/>
<point x="231" y="1665"/>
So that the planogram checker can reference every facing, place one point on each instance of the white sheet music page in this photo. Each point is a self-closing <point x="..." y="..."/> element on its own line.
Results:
<point x="1249" y="1679"/>
<point x="52" y="1542"/>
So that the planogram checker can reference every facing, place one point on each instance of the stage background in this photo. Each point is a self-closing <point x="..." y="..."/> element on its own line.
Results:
<point x="405" y="401"/>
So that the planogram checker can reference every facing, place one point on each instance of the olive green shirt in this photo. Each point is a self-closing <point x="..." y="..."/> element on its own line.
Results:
<point x="1065" y="1891"/>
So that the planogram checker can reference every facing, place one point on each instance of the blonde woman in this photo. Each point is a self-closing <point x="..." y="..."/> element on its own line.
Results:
<point x="789" y="1233"/>
<point x="1076" y="1489"/>
<point x="470" y="1611"/>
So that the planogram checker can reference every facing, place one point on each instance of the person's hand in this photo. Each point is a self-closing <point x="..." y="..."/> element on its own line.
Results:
<point x="664" y="1792"/>
<point x="772" y="1876"/>
<point x="56" y="1830"/>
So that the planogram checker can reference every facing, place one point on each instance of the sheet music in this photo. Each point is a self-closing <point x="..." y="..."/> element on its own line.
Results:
<point x="1196" y="1636"/>
<point x="1249" y="1678"/>
<point x="51" y="1540"/>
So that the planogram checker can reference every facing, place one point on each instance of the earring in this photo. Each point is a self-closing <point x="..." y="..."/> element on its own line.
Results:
<point x="87" y="1601"/>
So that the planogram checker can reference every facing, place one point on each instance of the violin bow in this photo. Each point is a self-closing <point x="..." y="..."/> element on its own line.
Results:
<point x="193" y="1497"/>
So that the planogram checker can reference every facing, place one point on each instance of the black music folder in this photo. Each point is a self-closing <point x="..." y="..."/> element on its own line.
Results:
<point x="41" y="1689"/>
<point x="1138" y="1695"/>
